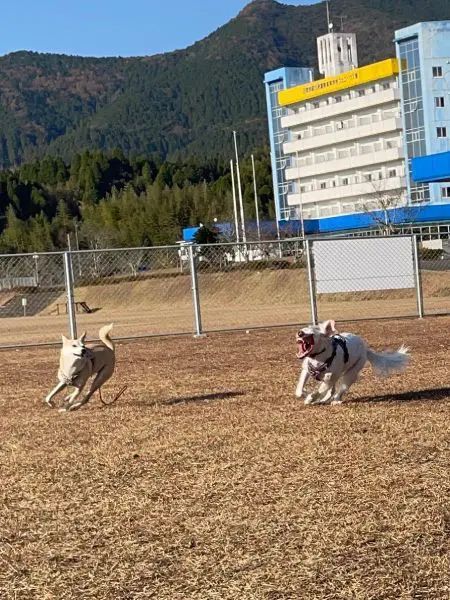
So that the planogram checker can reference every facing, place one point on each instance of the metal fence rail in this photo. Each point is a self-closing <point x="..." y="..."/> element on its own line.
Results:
<point x="196" y="289"/>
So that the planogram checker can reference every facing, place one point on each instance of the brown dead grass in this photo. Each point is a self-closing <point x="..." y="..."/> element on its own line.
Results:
<point x="232" y="289"/>
<point x="208" y="480"/>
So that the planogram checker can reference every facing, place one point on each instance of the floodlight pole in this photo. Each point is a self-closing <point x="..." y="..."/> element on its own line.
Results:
<point x="256" y="199"/>
<point x="241" y="203"/>
<point x="233" y="184"/>
<point x="302" y="222"/>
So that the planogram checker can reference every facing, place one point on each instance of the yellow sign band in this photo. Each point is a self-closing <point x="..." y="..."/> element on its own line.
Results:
<point x="329" y="85"/>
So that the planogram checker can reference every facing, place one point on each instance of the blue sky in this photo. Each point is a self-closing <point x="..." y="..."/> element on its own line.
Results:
<point x="112" y="27"/>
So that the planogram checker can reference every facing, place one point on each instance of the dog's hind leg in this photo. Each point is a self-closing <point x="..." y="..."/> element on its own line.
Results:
<point x="49" y="398"/>
<point x="347" y="380"/>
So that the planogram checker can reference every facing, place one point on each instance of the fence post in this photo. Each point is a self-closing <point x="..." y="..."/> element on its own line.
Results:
<point x="194" y="287"/>
<point x="311" y="282"/>
<point x="417" y="276"/>
<point x="68" y="278"/>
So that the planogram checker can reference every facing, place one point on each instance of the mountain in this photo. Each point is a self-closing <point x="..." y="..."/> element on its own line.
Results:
<point x="182" y="103"/>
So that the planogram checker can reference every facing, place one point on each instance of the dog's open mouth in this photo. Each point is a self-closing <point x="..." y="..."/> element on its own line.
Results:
<point x="305" y="344"/>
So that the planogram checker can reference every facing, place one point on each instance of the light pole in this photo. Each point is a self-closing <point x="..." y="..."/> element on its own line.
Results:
<point x="256" y="198"/>
<point x="300" y="196"/>
<point x="36" y="269"/>
<point x="77" y="242"/>
<point x="233" y="184"/>
<point x="241" y="203"/>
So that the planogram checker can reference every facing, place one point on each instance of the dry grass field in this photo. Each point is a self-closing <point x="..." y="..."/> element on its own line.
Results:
<point x="209" y="480"/>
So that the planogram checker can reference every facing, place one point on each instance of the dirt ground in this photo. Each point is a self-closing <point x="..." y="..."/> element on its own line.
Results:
<point x="209" y="480"/>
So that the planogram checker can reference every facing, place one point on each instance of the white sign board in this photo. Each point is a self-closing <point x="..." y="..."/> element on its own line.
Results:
<point x="356" y="265"/>
<point x="24" y="301"/>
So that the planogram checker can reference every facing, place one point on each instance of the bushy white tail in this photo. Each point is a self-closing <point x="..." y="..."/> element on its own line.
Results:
<point x="386" y="363"/>
<point x="103" y="334"/>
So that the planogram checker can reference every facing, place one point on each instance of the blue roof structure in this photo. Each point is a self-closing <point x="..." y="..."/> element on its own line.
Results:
<point x="433" y="168"/>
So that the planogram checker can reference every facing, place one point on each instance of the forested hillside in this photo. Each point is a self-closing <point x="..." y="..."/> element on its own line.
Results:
<point x="185" y="103"/>
<point x="112" y="201"/>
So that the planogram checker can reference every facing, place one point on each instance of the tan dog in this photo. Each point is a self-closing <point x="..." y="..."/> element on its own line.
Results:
<point x="77" y="363"/>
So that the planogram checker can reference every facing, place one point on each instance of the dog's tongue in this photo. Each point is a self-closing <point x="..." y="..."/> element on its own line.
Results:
<point x="302" y="349"/>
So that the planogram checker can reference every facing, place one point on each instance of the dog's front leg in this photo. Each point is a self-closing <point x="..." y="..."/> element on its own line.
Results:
<point x="323" y="393"/>
<point x="304" y="376"/>
<point x="101" y="377"/>
<point x="49" y="398"/>
<point x="70" y="399"/>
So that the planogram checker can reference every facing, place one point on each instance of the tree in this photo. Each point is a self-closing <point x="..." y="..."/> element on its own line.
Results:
<point x="15" y="236"/>
<point x="206" y="235"/>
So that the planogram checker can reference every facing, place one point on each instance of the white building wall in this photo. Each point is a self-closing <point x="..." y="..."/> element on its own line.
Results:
<point x="337" y="53"/>
<point x="347" y="151"/>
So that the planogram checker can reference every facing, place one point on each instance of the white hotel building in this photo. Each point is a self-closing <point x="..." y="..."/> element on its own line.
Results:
<point x="344" y="145"/>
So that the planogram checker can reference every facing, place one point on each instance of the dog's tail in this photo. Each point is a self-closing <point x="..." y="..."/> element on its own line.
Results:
<point x="103" y="334"/>
<point x="386" y="363"/>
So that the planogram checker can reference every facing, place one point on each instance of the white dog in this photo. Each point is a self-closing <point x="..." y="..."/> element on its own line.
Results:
<point x="336" y="361"/>
<point x="77" y="363"/>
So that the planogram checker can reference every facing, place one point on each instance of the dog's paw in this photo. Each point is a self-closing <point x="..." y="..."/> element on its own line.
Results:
<point x="336" y="402"/>
<point x="298" y="394"/>
<point x="49" y="403"/>
<point x="309" y="399"/>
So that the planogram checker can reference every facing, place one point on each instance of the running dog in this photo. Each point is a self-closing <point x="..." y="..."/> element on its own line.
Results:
<point x="77" y="363"/>
<point x="335" y="360"/>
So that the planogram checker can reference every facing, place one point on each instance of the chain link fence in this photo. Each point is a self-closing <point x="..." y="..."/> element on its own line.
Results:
<point x="195" y="289"/>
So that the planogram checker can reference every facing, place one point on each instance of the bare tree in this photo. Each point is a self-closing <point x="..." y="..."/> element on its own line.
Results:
<point x="384" y="207"/>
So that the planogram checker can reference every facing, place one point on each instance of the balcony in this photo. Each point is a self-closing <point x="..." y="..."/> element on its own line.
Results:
<point x="355" y="131"/>
<point x="355" y="161"/>
<point x="340" y="108"/>
<point x="371" y="189"/>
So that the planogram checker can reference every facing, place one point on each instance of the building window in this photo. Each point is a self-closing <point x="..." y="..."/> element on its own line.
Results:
<point x="446" y="192"/>
<point x="392" y="173"/>
<point x="386" y="86"/>
<point x="345" y="181"/>
<point x="439" y="101"/>
<point x="441" y="132"/>
<point x="323" y="185"/>
<point x="437" y="71"/>
<point x="361" y="92"/>
<point x="338" y="98"/>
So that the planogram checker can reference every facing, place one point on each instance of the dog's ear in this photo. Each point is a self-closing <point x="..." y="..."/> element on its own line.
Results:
<point x="64" y="339"/>
<point x="328" y="328"/>
<point x="82" y="338"/>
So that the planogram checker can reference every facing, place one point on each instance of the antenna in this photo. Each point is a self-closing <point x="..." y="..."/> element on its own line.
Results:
<point x="342" y="17"/>
<point x="329" y="24"/>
